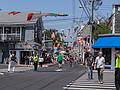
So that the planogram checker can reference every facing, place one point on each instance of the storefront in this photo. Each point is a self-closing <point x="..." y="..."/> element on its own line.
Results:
<point x="109" y="44"/>
<point x="25" y="49"/>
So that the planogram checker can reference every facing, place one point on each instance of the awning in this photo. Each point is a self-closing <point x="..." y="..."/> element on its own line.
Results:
<point x="110" y="41"/>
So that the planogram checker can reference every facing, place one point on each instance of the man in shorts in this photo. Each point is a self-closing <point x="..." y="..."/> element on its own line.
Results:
<point x="59" y="60"/>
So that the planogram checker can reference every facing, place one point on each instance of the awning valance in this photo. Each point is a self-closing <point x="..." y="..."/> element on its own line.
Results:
<point x="110" y="41"/>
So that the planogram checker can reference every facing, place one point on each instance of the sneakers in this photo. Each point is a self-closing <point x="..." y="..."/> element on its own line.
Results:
<point x="100" y="82"/>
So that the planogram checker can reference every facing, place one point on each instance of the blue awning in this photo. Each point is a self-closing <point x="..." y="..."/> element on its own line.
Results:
<point x="111" y="41"/>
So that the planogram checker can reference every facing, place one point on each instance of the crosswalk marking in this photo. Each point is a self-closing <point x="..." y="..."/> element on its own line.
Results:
<point x="1" y="73"/>
<point x="90" y="85"/>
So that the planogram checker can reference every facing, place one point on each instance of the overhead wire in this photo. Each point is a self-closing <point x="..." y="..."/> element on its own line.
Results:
<point x="84" y="9"/>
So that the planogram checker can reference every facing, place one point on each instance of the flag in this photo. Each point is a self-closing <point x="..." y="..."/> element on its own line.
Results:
<point x="53" y="35"/>
<point x="61" y="37"/>
<point x="32" y="16"/>
<point x="13" y="13"/>
<point x="70" y="36"/>
<point x="29" y="16"/>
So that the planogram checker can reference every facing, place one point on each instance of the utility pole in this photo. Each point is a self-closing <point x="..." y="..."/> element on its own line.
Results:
<point x="91" y="23"/>
<point x="94" y="6"/>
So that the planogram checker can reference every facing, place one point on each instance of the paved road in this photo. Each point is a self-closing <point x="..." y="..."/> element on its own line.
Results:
<point x="45" y="79"/>
<point x="2" y="66"/>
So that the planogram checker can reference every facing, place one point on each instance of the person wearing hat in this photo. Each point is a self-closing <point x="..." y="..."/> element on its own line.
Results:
<point x="100" y="65"/>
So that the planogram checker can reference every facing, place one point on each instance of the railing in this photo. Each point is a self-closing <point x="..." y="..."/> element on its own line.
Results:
<point x="10" y="37"/>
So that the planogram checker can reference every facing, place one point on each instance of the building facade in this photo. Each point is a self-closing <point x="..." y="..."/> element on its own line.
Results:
<point x="116" y="18"/>
<point x="109" y="43"/>
<point x="19" y="35"/>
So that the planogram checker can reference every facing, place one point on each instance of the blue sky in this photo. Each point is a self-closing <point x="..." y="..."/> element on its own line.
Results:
<point x="56" y="6"/>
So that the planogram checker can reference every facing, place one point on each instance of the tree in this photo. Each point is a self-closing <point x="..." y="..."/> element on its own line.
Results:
<point x="101" y="28"/>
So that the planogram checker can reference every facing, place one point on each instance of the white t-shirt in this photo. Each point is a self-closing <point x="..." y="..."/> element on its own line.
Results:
<point x="41" y="59"/>
<point x="100" y="62"/>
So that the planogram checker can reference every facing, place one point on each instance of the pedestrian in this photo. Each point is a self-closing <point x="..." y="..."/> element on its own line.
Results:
<point x="26" y="58"/>
<point x="59" y="60"/>
<point x="90" y="63"/>
<point x="71" y="60"/>
<point x="100" y="65"/>
<point x="117" y="71"/>
<point x="12" y="62"/>
<point x="41" y="60"/>
<point x="35" y="60"/>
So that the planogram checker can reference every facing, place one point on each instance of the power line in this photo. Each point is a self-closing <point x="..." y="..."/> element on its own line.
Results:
<point x="84" y="9"/>
<point x="86" y="6"/>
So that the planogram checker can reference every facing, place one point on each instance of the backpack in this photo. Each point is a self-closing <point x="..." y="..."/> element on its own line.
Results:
<point x="13" y="58"/>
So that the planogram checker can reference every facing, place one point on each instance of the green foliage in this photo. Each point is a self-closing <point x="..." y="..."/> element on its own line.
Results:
<point x="101" y="28"/>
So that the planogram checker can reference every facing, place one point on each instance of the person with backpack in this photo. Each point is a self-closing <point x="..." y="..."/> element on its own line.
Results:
<point x="90" y="63"/>
<point x="12" y="62"/>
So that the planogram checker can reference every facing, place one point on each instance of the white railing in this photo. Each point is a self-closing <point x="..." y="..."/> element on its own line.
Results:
<point x="10" y="37"/>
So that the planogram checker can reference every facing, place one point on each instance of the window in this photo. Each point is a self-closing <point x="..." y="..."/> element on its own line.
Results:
<point x="7" y="30"/>
<point x="1" y="30"/>
<point x="107" y="55"/>
<point x="15" y="29"/>
<point x="18" y="29"/>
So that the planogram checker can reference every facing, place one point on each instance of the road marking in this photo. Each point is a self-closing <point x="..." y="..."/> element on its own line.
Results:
<point x="90" y="85"/>
<point x="59" y="70"/>
<point x="1" y="73"/>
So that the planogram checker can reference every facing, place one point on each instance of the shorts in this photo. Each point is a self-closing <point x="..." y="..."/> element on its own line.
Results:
<point x="60" y="62"/>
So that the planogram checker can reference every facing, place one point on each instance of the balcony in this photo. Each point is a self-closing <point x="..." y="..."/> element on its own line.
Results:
<point x="14" y="37"/>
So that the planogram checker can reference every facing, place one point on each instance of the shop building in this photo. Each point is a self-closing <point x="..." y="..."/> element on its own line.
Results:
<point x="19" y="35"/>
<point x="110" y="43"/>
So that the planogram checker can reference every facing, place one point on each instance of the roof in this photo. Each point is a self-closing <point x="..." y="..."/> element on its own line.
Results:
<point x="116" y="4"/>
<point x="108" y="41"/>
<point x="19" y="18"/>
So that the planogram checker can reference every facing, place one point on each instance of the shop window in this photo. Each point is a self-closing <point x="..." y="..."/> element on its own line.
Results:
<point x="107" y="55"/>
<point x="16" y="30"/>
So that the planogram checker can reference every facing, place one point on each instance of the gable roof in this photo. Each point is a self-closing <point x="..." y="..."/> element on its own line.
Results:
<point x="19" y="18"/>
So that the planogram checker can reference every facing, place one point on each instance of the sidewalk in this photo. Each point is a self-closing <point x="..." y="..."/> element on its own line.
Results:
<point x="83" y="83"/>
<point x="19" y="68"/>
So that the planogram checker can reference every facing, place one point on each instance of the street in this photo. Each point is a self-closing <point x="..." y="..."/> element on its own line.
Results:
<point x="47" y="78"/>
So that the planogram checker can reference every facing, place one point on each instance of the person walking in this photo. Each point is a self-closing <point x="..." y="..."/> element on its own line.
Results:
<point x="117" y="71"/>
<point x="71" y="59"/>
<point x="12" y="62"/>
<point x="90" y="63"/>
<point x="41" y="60"/>
<point x="26" y="58"/>
<point x="59" y="60"/>
<point x="35" y="60"/>
<point x="100" y="65"/>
